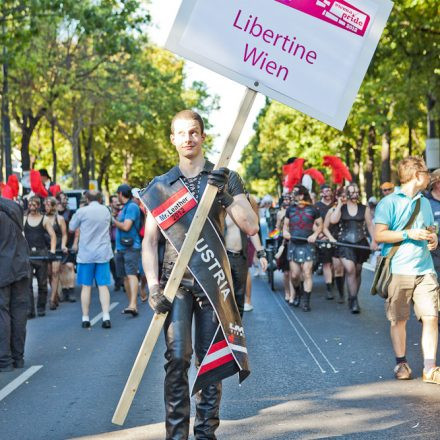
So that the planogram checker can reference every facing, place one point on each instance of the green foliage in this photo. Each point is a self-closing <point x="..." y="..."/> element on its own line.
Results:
<point x="87" y="68"/>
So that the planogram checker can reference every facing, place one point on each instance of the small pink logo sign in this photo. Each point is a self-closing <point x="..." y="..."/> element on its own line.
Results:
<point x="337" y="12"/>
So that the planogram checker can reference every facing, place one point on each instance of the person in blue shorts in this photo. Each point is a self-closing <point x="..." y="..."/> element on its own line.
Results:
<point x="94" y="254"/>
<point x="128" y="246"/>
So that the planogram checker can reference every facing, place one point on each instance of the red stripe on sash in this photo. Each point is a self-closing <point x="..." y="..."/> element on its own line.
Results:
<point x="165" y="205"/>
<point x="217" y="346"/>
<point x="217" y="363"/>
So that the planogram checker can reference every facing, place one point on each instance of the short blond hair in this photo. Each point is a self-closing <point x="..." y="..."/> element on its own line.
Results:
<point x="188" y="115"/>
<point x="409" y="166"/>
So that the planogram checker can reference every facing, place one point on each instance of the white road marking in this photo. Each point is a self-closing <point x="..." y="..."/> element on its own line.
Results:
<point x="314" y="343"/>
<point x="99" y="315"/>
<point x="299" y="335"/>
<point x="18" y="381"/>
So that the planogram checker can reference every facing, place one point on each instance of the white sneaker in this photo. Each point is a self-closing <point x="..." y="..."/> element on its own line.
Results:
<point x="248" y="307"/>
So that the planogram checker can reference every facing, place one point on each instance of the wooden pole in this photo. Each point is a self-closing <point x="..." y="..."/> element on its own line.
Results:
<point x="182" y="261"/>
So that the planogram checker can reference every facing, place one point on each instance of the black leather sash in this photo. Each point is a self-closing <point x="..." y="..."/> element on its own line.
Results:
<point x="174" y="207"/>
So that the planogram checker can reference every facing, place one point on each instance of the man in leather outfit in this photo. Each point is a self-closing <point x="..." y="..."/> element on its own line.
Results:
<point x="187" y="135"/>
<point x="302" y="220"/>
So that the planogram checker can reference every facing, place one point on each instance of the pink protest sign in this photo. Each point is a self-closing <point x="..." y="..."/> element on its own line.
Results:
<point x="336" y="12"/>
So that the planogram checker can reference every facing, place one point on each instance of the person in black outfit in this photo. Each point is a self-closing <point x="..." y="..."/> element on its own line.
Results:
<point x="35" y="227"/>
<point x="353" y="219"/>
<point x="187" y="135"/>
<point x="59" y="227"/>
<point x="325" y="252"/>
<point x="14" y="285"/>
<point x="302" y="220"/>
<point x="67" y="270"/>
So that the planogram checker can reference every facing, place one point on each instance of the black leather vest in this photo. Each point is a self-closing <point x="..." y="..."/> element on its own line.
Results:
<point x="352" y="227"/>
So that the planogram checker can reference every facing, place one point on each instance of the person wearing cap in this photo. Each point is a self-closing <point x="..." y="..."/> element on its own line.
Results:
<point x="128" y="246"/>
<point x="433" y="195"/>
<point x="387" y="188"/>
<point x="94" y="254"/>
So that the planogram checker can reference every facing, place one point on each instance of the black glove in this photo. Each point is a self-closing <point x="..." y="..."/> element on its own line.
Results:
<point x="158" y="301"/>
<point x="219" y="178"/>
<point x="51" y="256"/>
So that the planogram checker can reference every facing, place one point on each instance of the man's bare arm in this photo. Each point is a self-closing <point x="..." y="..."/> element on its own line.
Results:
<point x="382" y="234"/>
<point x="53" y="238"/>
<point x="243" y="215"/>
<point x="150" y="251"/>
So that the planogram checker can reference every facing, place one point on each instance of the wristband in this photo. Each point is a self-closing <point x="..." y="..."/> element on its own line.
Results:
<point x="261" y="254"/>
<point x="225" y="199"/>
<point x="405" y="235"/>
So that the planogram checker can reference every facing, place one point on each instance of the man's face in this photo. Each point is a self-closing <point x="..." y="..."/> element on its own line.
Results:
<point x="386" y="191"/>
<point x="33" y="207"/>
<point x="286" y="201"/>
<point x="63" y="199"/>
<point x="297" y="197"/>
<point x="120" y="199"/>
<point x="48" y="206"/>
<point x="115" y="203"/>
<point x="353" y="193"/>
<point x="436" y="186"/>
<point x="424" y="178"/>
<point x="187" y="138"/>
<point x="327" y="194"/>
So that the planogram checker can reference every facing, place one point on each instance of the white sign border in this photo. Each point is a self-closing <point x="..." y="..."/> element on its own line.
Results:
<point x="338" y="121"/>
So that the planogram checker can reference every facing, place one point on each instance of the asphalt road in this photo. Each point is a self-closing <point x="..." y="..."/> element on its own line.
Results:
<point x="322" y="374"/>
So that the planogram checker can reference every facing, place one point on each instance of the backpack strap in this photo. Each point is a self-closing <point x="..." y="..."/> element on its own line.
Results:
<point x="411" y="221"/>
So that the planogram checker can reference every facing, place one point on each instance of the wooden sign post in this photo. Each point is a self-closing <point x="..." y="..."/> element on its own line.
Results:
<point x="181" y="263"/>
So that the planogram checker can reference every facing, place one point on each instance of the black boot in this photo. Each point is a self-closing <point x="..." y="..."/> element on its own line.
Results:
<point x="329" y="291"/>
<point x="68" y="296"/>
<point x="298" y="295"/>
<point x="306" y="304"/>
<point x="354" y="305"/>
<point x="340" y="286"/>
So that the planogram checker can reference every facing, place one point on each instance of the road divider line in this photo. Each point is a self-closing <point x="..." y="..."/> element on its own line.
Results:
<point x="8" y="389"/>
<point x="299" y="335"/>
<point x="313" y="342"/>
<point x="99" y="315"/>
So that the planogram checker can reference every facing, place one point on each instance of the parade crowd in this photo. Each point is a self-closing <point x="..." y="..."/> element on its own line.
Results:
<point x="118" y="243"/>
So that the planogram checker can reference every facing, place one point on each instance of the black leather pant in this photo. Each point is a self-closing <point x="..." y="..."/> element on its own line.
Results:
<point x="178" y="355"/>
<point x="239" y="271"/>
<point x="40" y="269"/>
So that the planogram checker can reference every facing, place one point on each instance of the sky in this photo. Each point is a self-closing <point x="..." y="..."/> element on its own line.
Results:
<point x="230" y="92"/>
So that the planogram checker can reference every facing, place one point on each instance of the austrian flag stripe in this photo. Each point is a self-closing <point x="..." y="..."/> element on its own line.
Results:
<point x="219" y="354"/>
<point x="174" y="208"/>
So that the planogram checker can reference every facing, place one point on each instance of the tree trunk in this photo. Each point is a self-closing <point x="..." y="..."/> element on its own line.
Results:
<point x="347" y="148"/>
<point x="54" y="151"/>
<point x="369" y="165"/>
<point x="410" y="138"/>
<point x="103" y="169"/>
<point x="6" y="122"/>
<point x="385" y="156"/>
<point x="357" y="156"/>
<point x="27" y="124"/>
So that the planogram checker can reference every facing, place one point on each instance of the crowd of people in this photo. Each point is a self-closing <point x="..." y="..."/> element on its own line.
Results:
<point x="125" y="244"/>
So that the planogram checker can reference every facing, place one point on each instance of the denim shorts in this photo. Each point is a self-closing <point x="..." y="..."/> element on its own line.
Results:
<point x="88" y="272"/>
<point x="127" y="262"/>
